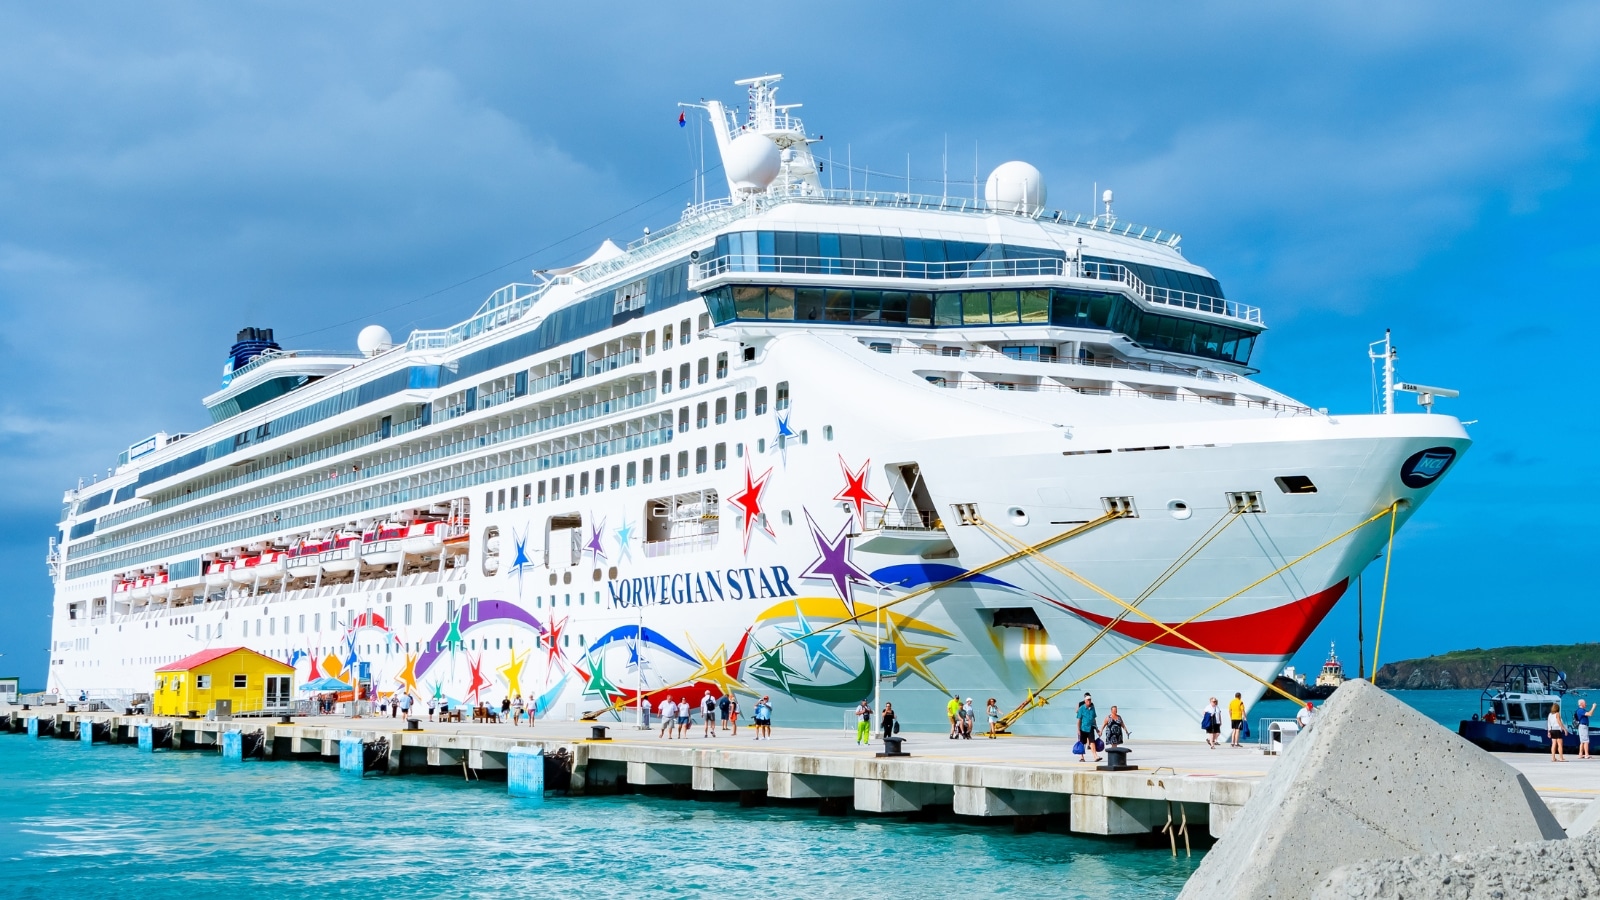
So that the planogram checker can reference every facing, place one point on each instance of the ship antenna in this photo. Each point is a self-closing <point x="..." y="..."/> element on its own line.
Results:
<point x="944" y="164"/>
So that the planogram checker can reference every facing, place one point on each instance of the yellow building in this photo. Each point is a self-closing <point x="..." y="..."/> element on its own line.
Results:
<point x="252" y="681"/>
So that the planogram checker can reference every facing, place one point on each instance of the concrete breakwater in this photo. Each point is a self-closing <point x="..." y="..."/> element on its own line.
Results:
<point x="1021" y="778"/>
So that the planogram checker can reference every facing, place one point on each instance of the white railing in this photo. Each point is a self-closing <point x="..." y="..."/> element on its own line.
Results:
<point x="1099" y="271"/>
<point x="614" y="361"/>
<point x="267" y="356"/>
<point x="1174" y="394"/>
<point x="689" y="543"/>
<point x="894" y="519"/>
<point x="504" y="306"/>
<point x="1161" y="368"/>
<point x="876" y="268"/>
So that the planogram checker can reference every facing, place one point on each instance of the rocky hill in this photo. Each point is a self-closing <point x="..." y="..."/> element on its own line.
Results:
<point x="1472" y="669"/>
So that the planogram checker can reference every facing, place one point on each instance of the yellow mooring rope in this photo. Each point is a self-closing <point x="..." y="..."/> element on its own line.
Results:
<point x="1388" y="557"/>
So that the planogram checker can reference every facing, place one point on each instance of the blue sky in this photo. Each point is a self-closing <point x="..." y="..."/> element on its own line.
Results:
<point x="170" y="173"/>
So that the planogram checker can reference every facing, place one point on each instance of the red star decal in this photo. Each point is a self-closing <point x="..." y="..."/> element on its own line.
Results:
<point x="553" y="659"/>
<point x="748" y="501"/>
<point x="478" y="681"/>
<point x="855" y="490"/>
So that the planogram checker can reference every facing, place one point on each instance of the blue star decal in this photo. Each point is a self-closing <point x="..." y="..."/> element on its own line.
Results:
<point x="818" y="645"/>
<point x="783" y="427"/>
<point x="521" y="561"/>
<point x="624" y="537"/>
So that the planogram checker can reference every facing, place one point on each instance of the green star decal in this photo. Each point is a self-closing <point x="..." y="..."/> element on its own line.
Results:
<point x="598" y="682"/>
<point x="772" y="661"/>
<point x="452" y="638"/>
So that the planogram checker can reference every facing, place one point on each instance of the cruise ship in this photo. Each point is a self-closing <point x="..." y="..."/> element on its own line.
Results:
<point x="808" y="443"/>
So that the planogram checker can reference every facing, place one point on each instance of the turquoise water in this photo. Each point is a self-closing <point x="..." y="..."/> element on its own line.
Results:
<point x="1447" y="708"/>
<point x="110" y="822"/>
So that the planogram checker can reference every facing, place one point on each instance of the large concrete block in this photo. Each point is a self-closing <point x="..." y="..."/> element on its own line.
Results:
<point x="525" y="773"/>
<point x="1099" y="814"/>
<point x="710" y="778"/>
<point x="644" y="773"/>
<point x="485" y="760"/>
<point x="884" y="796"/>
<point x="1563" y="868"/>
<point x="800" y="786"/>
<point x="982" y="801"/>
<point x="1372" y="779"/>
<point x="1585" y="821"/>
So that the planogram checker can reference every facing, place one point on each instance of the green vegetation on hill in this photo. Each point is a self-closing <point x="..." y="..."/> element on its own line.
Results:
<point x="1473" y="668"/>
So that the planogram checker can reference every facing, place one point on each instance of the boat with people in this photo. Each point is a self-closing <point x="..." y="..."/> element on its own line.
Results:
<point x="1514" y="710"/>
<point x="812" y="440"/>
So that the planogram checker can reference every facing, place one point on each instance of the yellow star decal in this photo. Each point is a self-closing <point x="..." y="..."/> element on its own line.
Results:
<point x="714" y="668"/>
<point x="913" y="659"/>
<point x="408" y="675"/>
<point x="513" y="673"/>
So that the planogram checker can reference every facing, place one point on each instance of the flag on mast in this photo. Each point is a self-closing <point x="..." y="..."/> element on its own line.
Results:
<point x="682" y="121"/>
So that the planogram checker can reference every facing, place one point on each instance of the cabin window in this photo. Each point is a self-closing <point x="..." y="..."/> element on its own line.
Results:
<point x="761" y="401"/>
<point x="647" y="474"/>
<point x="740" y="400"/>
<point x="502" y="507"/>
<point x="649" y="343"/>
<point x="513" y="498"/>
<point x="703" y="371"/>
<point x="827" y="432"/>
<point x="616" y="473"/>
<point x="527" y="494"/>
<point x="302" y="624"/>
<point x="783" y="395"/>
<point x="683" y="464"/>
<point x="722" y="364"/>
<point x="700" y="461"/>
<point x="488" y="502"/>
<point x="722" y="410"/>
<point x="683" y="332"/>
<point x="666" y="381"/>
<point x="427" y="613"/>
<point x="241" y="681"/>
<point x="541" y="492"/>
<point x="583" y="483"/>
<point x="316" y="622"/>
<point x="408" y="614"/>
<point x="705" y="322"/>
<point x="683" y="419"/>
<point x="633" y="474"/>
<point x="666" y="338"/>
<point x="683" y="375"/>
<point x="700" y="416"/>
<point x="569" y="485"/>
<point x="666" y="466"/>
<point x="720" y="457"/>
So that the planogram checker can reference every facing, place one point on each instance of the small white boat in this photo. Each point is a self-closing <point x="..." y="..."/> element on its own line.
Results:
<point x="217" y="574"/>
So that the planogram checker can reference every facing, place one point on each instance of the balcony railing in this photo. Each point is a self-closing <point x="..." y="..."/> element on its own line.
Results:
<point x="894" y="519"/>
<point x="876" y="268"/>
<point x="689" y="543"/>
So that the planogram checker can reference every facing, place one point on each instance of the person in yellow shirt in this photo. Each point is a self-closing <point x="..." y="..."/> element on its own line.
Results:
<point x="1236" y="713"/>
<point x="953" y="711"/>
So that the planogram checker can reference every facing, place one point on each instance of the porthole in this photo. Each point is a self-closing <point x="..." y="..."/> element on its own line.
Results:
<point x="1019" y="516"/>
<point x="552" y="579"/>
<point x="598" y="575"/>
<point x="566" y="577"/>
<point x="1179" y="509"/>
<point x="611" y="572"/>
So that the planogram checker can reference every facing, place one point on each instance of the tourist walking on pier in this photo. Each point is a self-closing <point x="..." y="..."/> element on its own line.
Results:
<point x="708" y="705"/>
<point x="518" y="707"/>
<point x="722" y="708"/>
<point x="1581" y="720"/>
<point x="763" y="719"/>
<point x="967" y="715"/>
<point x="1236" y="716"/>
<point x="505" y="708"/>
<point x="1115" y="729"/>
<point x="685" y="719"/>
<point x="644" y="711"/>
<point x="953" y="711"/>
<point x="733" y="712"/>
<point x="669" y="710"/>
<point x="433" y="704"/>
<point x="1211" y="723"/>
<point x="1086" y="728"/>
<point x="992" y="710"/>
<point x="863" y="722"/>
<point x="1557" y="731"/>
<point x="405" y="704"/>
<point x="889" y="725"/>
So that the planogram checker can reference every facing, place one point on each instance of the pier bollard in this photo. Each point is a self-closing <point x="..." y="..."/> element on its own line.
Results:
<point x="33" y="726"/>
<point x="352" y="755"/>
<point x="147" y="739"/>
<point x="232" y="746"/>
<point x="86" y="732"/>
<point x="525" y="773"/>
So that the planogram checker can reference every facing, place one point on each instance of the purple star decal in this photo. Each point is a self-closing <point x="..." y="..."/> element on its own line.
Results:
<point x="833" y="562"/>
<point x="596" y="546"/>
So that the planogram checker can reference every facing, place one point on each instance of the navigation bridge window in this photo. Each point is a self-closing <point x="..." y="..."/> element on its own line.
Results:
<point x="945" y="309"/>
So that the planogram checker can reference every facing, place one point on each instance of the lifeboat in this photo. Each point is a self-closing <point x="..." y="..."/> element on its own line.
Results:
<point x="303" y="557"/>
<point x="244" y="569"/>
<point x="160" y="586"/>
<point x="141" y="589"/>
<point x="423" y="538"/>
<point x="339" y="556"/>
<point x="271" y="565"/>
<point x="381" y="546"/>
<point x="217" y="573"/>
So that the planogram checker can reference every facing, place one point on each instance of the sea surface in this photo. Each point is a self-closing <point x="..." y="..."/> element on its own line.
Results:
<point x="1447" y="708"/>
<point x="111" y="822"/>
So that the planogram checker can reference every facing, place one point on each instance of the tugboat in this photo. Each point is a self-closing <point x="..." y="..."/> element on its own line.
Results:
<point x="1329" y="679"/>
<point x="1514" y="709"/>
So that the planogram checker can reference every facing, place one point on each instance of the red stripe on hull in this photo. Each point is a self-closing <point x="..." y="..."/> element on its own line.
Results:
<point x="1272" y="632"/>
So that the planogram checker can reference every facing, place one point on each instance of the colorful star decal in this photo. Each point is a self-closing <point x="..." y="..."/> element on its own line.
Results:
<point x="624" y="537"/>
<point x="478" y="683"/>
<point x="713" y="668"/>
<point x="772" y="661"/>
<point x="512" y="673"/>
<point x="521" y="561"/>
<point x="314" y="673"/>
<point x="452" y="637"/>
<point x="408" y="675"/>
<point x="817" y="644"/>
<point x="912" y="659"/>
<point x="855" y="490"/>
<point x="350" y="658"/>
<point x="553" y="656"/>
<point x="783" y="426"/>
<point x="596" y="545"/>
<point x="598" y="683"/>
<point x="833" y="562"/>
<point x="748" y="501"/>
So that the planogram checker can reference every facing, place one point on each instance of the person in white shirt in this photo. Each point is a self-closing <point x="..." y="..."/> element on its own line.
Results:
<point x="669" y="712"/>
<point x="1213" y="725"/>
<point x="708" y="706"/>
<point x="1306" y="716"/>
<point x="644" y="711"/>
<point x="1557" y="731"/>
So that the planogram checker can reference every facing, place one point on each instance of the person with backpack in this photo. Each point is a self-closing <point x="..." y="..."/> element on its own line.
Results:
<point x="1087" y="718"/>
<point x="863" y="722"/>
<point x="733" y="712"/>
<point x="708" y="706"/>
<point x="722" y="708"/>
<point x="889" y="724"/>
<point x="1211" y="723"/>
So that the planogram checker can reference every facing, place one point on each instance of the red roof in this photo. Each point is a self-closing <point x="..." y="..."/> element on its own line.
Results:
<point x="205" y="656"/>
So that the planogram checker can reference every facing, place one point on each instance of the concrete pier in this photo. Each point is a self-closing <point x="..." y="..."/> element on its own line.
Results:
<point x="1015" y="777"/>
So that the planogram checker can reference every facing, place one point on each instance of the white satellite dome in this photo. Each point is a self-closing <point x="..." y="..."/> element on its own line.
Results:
<point x="752" y="161"/>
<point x="1015" y="187"/>
<point x="374" y="339"/>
